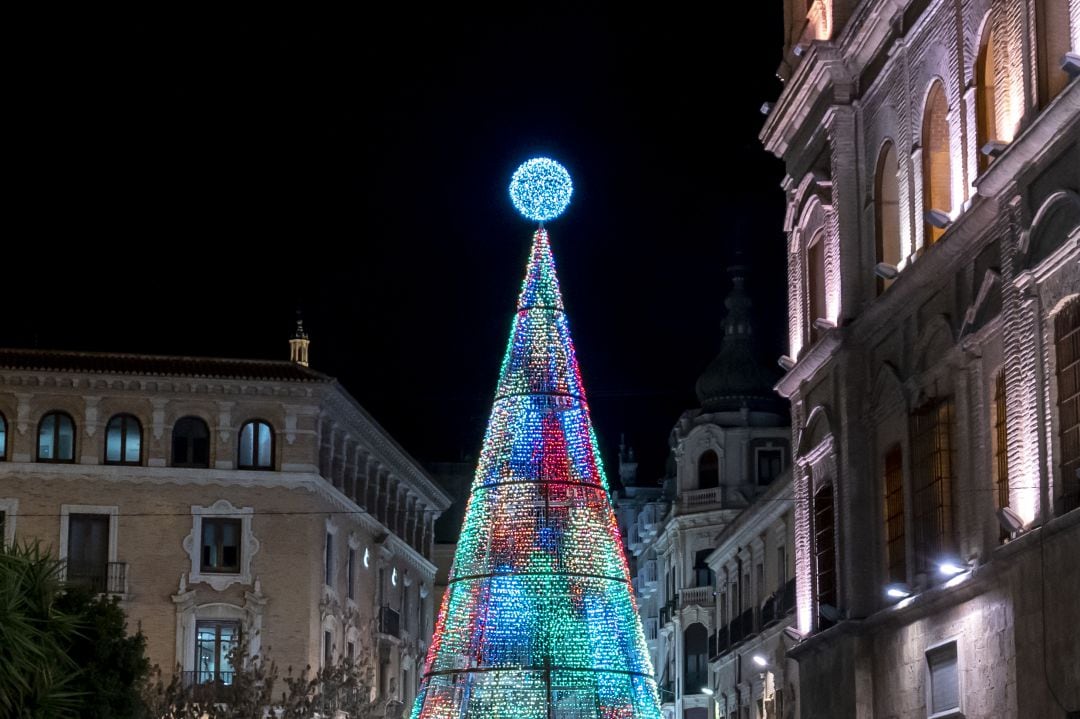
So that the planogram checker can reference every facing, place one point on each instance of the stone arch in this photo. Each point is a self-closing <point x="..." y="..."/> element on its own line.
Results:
<point x="1057" y="220"/>
<point x="935" y="340"/>
<point x="818" y="429"/>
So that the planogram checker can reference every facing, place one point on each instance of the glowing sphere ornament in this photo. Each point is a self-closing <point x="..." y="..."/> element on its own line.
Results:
<point x="540" y="189"/>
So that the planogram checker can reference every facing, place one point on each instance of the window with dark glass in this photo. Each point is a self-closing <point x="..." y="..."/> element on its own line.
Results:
<point x="123" y="440"/>
<point x="708" y="470"/>
<point x="824" y="547"/>
<point x="815" y="283"/>
<point x="350" y="579"/>
<point x="936" y="159"/>
<point x="1067" y="354"/>
<point x="328" y="649"/>
<point x="221" y="545"/>
<point x="696" y="645"/>
<point x="88" y="551"/>
<point x="986" y="94"/>
<point x="770" y="463"/>
<point x="215" y="645"/>
<point x="703" y="576"/>
<point x="1000" y="467"/>
<point x="328" y="559"/>
<point x="56" y="438"/>
<point x="887" y="212"/>
<point x="895" y="549"/>
<point x="350" y="652"/>
<point x="932" y="482"/>
<point x="1053" y="39"/>
<point x="256" y="446"/>
<point x="190" y="443"/>
<point x="3" y="438"/>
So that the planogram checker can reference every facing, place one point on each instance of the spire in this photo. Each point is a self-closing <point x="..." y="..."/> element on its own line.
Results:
<point x="539" y="618"/>
<point x="736" y="377"/>
<point x="298" y="344"/>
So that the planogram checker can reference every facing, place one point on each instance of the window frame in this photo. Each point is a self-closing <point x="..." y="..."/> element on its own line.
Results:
<point x="958" y="710"/>
<point x="4" y="435"/>
<point x="934" y="525"/>
<point x="190" y="444"/>
<point x="219" y="656"/>
<point x="1067" y="494"/>
<point x="758" y="451"/>
<point x="816" y="291"/>
<point x="895" y="519"/>
<point x="123" y="418"/>
<point x="58" y="414"/>
<point x="220" y="522"/>
<point x="830" y="597"/>
<point x="255" y="423"/>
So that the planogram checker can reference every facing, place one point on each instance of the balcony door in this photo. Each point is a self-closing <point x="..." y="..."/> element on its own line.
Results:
<point x="88" y="551"/>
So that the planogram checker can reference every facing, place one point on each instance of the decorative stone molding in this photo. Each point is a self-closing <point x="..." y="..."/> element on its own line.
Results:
<point x="249" y="545"/>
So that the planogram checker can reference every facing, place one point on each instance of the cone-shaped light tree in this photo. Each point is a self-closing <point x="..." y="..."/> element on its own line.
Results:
<point x="539" y="619"/>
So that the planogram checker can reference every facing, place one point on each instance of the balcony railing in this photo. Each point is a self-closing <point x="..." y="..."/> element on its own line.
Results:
<point x="389" y="622"/>
<point x="701" y="497"/>
<point x="701" y="596"/>
<point x="97" y="577"/>
<point x="209" y="686"/>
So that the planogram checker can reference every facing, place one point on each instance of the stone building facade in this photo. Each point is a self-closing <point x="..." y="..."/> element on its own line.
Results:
<point x="224" y="498"/>
<point x="722" y="508"/>
<point x="932" y="152"/>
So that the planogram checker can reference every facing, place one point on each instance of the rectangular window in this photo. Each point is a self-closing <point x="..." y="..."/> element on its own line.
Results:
<point x="328" y="649"/>
<point x="350" y="652"/>
<point x="944" y="680"/>
<point x="781" y="567"/>
<point x="1067" y="354"/>
<point x="760" y="576"/>
<point x="215" y="644"/>
<point x="1000" y="466"/>
<point x="824" y="547"/>
<point x="88" y="551"/>
<point x="932" y="475"/>
<point x="894" y="515"/>
<point x="770" y="462"/>
<point x="815" y="283"/>
<point x="349" y="577"/>
<point x="328" y="573"/>
<point x="3" y="526"/>
<point x="221" y="545"/>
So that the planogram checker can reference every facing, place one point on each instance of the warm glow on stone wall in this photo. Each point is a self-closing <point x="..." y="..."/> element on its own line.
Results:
<point x="819" y="19"/>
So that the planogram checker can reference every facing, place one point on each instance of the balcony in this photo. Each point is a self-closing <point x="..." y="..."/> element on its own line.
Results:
<point x="701" y="596"/>
<point x="780" y="604"/>
<point x="647" y="574"/>
<point x="699" y="499"/>
<point x="209" y="686"/>
<point x="96" y="577"/>
<point x="389" y="622"/>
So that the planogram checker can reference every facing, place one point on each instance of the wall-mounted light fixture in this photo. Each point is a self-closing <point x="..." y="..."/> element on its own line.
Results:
<point x="899" y="590"/>
<point x="786" y="362"/>
<point x="1010" y="521"/>
<point x="886" y="271"/>
<point x="993" y="148"/>
<point x="952" y="567"/>
<point x="760" y="660"/>
<point x="937" y="218"/>
<point x="1070" y="63"/>
<point x="824" y="325"/>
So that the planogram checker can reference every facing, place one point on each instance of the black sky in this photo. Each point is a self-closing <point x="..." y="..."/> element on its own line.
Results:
<point x="181" y="184"/>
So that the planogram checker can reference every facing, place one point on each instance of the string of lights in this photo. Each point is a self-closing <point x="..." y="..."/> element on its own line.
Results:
<point x="539" y="618"/>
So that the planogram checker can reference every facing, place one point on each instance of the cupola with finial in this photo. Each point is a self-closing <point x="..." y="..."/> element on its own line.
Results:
<point x="298" y="345"/>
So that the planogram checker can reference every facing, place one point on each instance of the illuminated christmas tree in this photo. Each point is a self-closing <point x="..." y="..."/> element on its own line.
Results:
<point x="539" y="619"/>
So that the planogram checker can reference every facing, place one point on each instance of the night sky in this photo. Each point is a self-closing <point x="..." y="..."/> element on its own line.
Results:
<point x="181" y="184"/>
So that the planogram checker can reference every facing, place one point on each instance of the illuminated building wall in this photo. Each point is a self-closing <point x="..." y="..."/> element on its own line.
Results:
<point x="993" y="294"/>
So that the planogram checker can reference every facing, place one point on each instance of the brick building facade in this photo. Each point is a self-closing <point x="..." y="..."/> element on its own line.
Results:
<point x="932" y="151"/>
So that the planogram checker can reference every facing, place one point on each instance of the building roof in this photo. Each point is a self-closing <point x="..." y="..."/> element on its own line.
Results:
<point x="160" y="365"/>
<point x="737" y="377"/>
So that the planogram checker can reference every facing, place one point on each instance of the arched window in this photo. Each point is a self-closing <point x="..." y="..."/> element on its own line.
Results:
<point x="696" y="655"/>
<point x="1052" y="37"/>
<point x="56" y="438"/>
<point x="708" y="471"/>
<point x="985" y="96"/>
<point x="190" y="443"/>
<point x="815" y="283"/>
<point x="123" y="440"/>
<point x="936" y="161"/>
<point x="887" y="211"/>
<point x="3" y="444"/>
<point x="256" y="445"/>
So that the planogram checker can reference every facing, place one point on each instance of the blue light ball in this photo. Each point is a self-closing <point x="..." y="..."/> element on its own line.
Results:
<point x="540" y="189"/>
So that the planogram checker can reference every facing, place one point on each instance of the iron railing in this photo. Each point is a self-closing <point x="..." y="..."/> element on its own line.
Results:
<point x="97" y="577"/>
<point x="208" y="685"/>
<point x="389" y="622"/>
